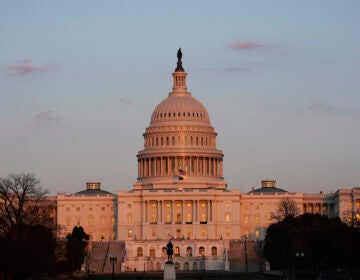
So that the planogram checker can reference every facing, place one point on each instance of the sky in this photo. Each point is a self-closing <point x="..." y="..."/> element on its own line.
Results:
<point x="280" y="79"/>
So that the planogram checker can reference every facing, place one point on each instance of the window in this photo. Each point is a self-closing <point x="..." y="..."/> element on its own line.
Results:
<point x="130" y="233"/>
<point x="189" y="251"/>
<point x="152" y="252"/>
<point x="246" y="219"/>
<point x="67" y="220"/>
<point x="188" y="233"/>
<point x="129" y="205"/>
<point x="268" y="218"/>
<point x="153" y="232"/>
<point x="139" y="252"/>
<point x="227" y="204"/>
<point x="178" y="233"/>
<point x="256" y="219"/>
<point x="129" y="218"/>
<point x="257" y="234"/>
<point x="102" y="220"/>
<point x="177" y="251"/>
<point x="227" y="217"/>
<point x="228" y="232"/>
<point x="213" y="251"/>
<point x="167" y="218"/>
<point x="164" y="251"/>
<point x="201" y="251"/>
<point x="203" y="218"/>
<point x="188" y="218"/>
<point x="203" y="232"/>
<point x="102" y="208"/>
<point x="90" y="220"/>
<point x="178" y="218"/>
<point x="153" y="218"/>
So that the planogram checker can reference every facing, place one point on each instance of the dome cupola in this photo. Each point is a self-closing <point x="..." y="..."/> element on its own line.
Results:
<point x="180" y="143"/>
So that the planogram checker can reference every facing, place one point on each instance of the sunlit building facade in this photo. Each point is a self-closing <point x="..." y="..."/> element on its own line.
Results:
<point x="181" y="195"/>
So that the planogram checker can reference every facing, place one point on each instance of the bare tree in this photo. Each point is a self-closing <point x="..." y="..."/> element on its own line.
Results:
<point x="21" y="203"/>
<point x="287" y="207"/>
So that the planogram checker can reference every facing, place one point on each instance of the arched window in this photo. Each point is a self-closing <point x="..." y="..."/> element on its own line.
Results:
<point x="213" y="251"/>
<point x="177" y="251"/>
<point x="202" y="251"/>
<point x="164" y="251"/>
<point x="152" y="252"/>
<point x="189" y="251"/>
<point x="139" y="252"/>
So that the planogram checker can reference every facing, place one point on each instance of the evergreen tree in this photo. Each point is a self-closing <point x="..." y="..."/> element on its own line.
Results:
<point x="76" y="244"/>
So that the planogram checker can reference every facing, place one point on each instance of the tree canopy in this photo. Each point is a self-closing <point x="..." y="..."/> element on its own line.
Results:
<point x="21" y="200"/>
<point x="76" y="244"/>
<point x="26" y="245"/>
<point x="317" y="243"/>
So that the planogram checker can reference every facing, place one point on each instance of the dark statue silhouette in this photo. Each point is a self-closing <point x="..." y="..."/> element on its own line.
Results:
<point x="169" y="252"/>
<point x="179" y="67"/>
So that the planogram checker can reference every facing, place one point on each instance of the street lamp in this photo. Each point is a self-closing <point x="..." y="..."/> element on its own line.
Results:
<point x="113" y="260"/>
<point x="300" y="255"/>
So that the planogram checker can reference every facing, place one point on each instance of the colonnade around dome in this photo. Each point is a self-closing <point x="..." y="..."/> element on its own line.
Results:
<point x="185" y="166"/>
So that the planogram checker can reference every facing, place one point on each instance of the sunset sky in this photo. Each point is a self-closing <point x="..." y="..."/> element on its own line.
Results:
<point x="280" y="80"/>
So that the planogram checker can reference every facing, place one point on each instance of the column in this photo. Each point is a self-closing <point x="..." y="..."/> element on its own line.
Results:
<point x="176" y="171"/>
<point x="161" y="166"/>
<point x="197" y="210"/>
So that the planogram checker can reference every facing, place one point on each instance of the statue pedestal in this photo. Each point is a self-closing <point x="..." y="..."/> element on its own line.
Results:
<point x="169" y="272"/>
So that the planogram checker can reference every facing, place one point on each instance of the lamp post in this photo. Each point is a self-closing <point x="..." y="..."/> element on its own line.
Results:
<point x="300" y="255"/>
<point x="113" y="260"/>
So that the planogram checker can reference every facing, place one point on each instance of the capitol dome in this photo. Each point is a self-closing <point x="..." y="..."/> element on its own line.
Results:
<point x="180" y="143"/>
<point x="180" y="107"/>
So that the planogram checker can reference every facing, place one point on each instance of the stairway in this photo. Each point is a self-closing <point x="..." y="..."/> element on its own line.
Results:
<point x="98" y="258"/>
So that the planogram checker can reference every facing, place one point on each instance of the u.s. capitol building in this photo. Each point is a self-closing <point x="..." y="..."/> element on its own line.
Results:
<point x="181" y="195"/>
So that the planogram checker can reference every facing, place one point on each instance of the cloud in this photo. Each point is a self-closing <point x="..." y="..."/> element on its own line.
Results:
<point x="126" y="101"/>
<point x="47" y="116"/>
<point x="236" y="69"/>
<point x="247" y="45"/>
<point x="320" y="108"/>
<point x="22" y="68"/>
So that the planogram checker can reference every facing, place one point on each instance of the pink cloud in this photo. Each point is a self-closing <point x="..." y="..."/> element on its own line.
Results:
<point x="247" y="45"/>
<point x="126" y="101"/>
<point x="23" y="67"/>
<point x="48" y="116"/>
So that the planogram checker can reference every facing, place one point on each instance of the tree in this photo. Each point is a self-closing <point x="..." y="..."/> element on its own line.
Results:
<point x="286" y="207"/>
<point x="325" y="245"/>
<point x="27" y="245"/>
<point x="76" y="244"/>
<point x="21" y="200"/>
